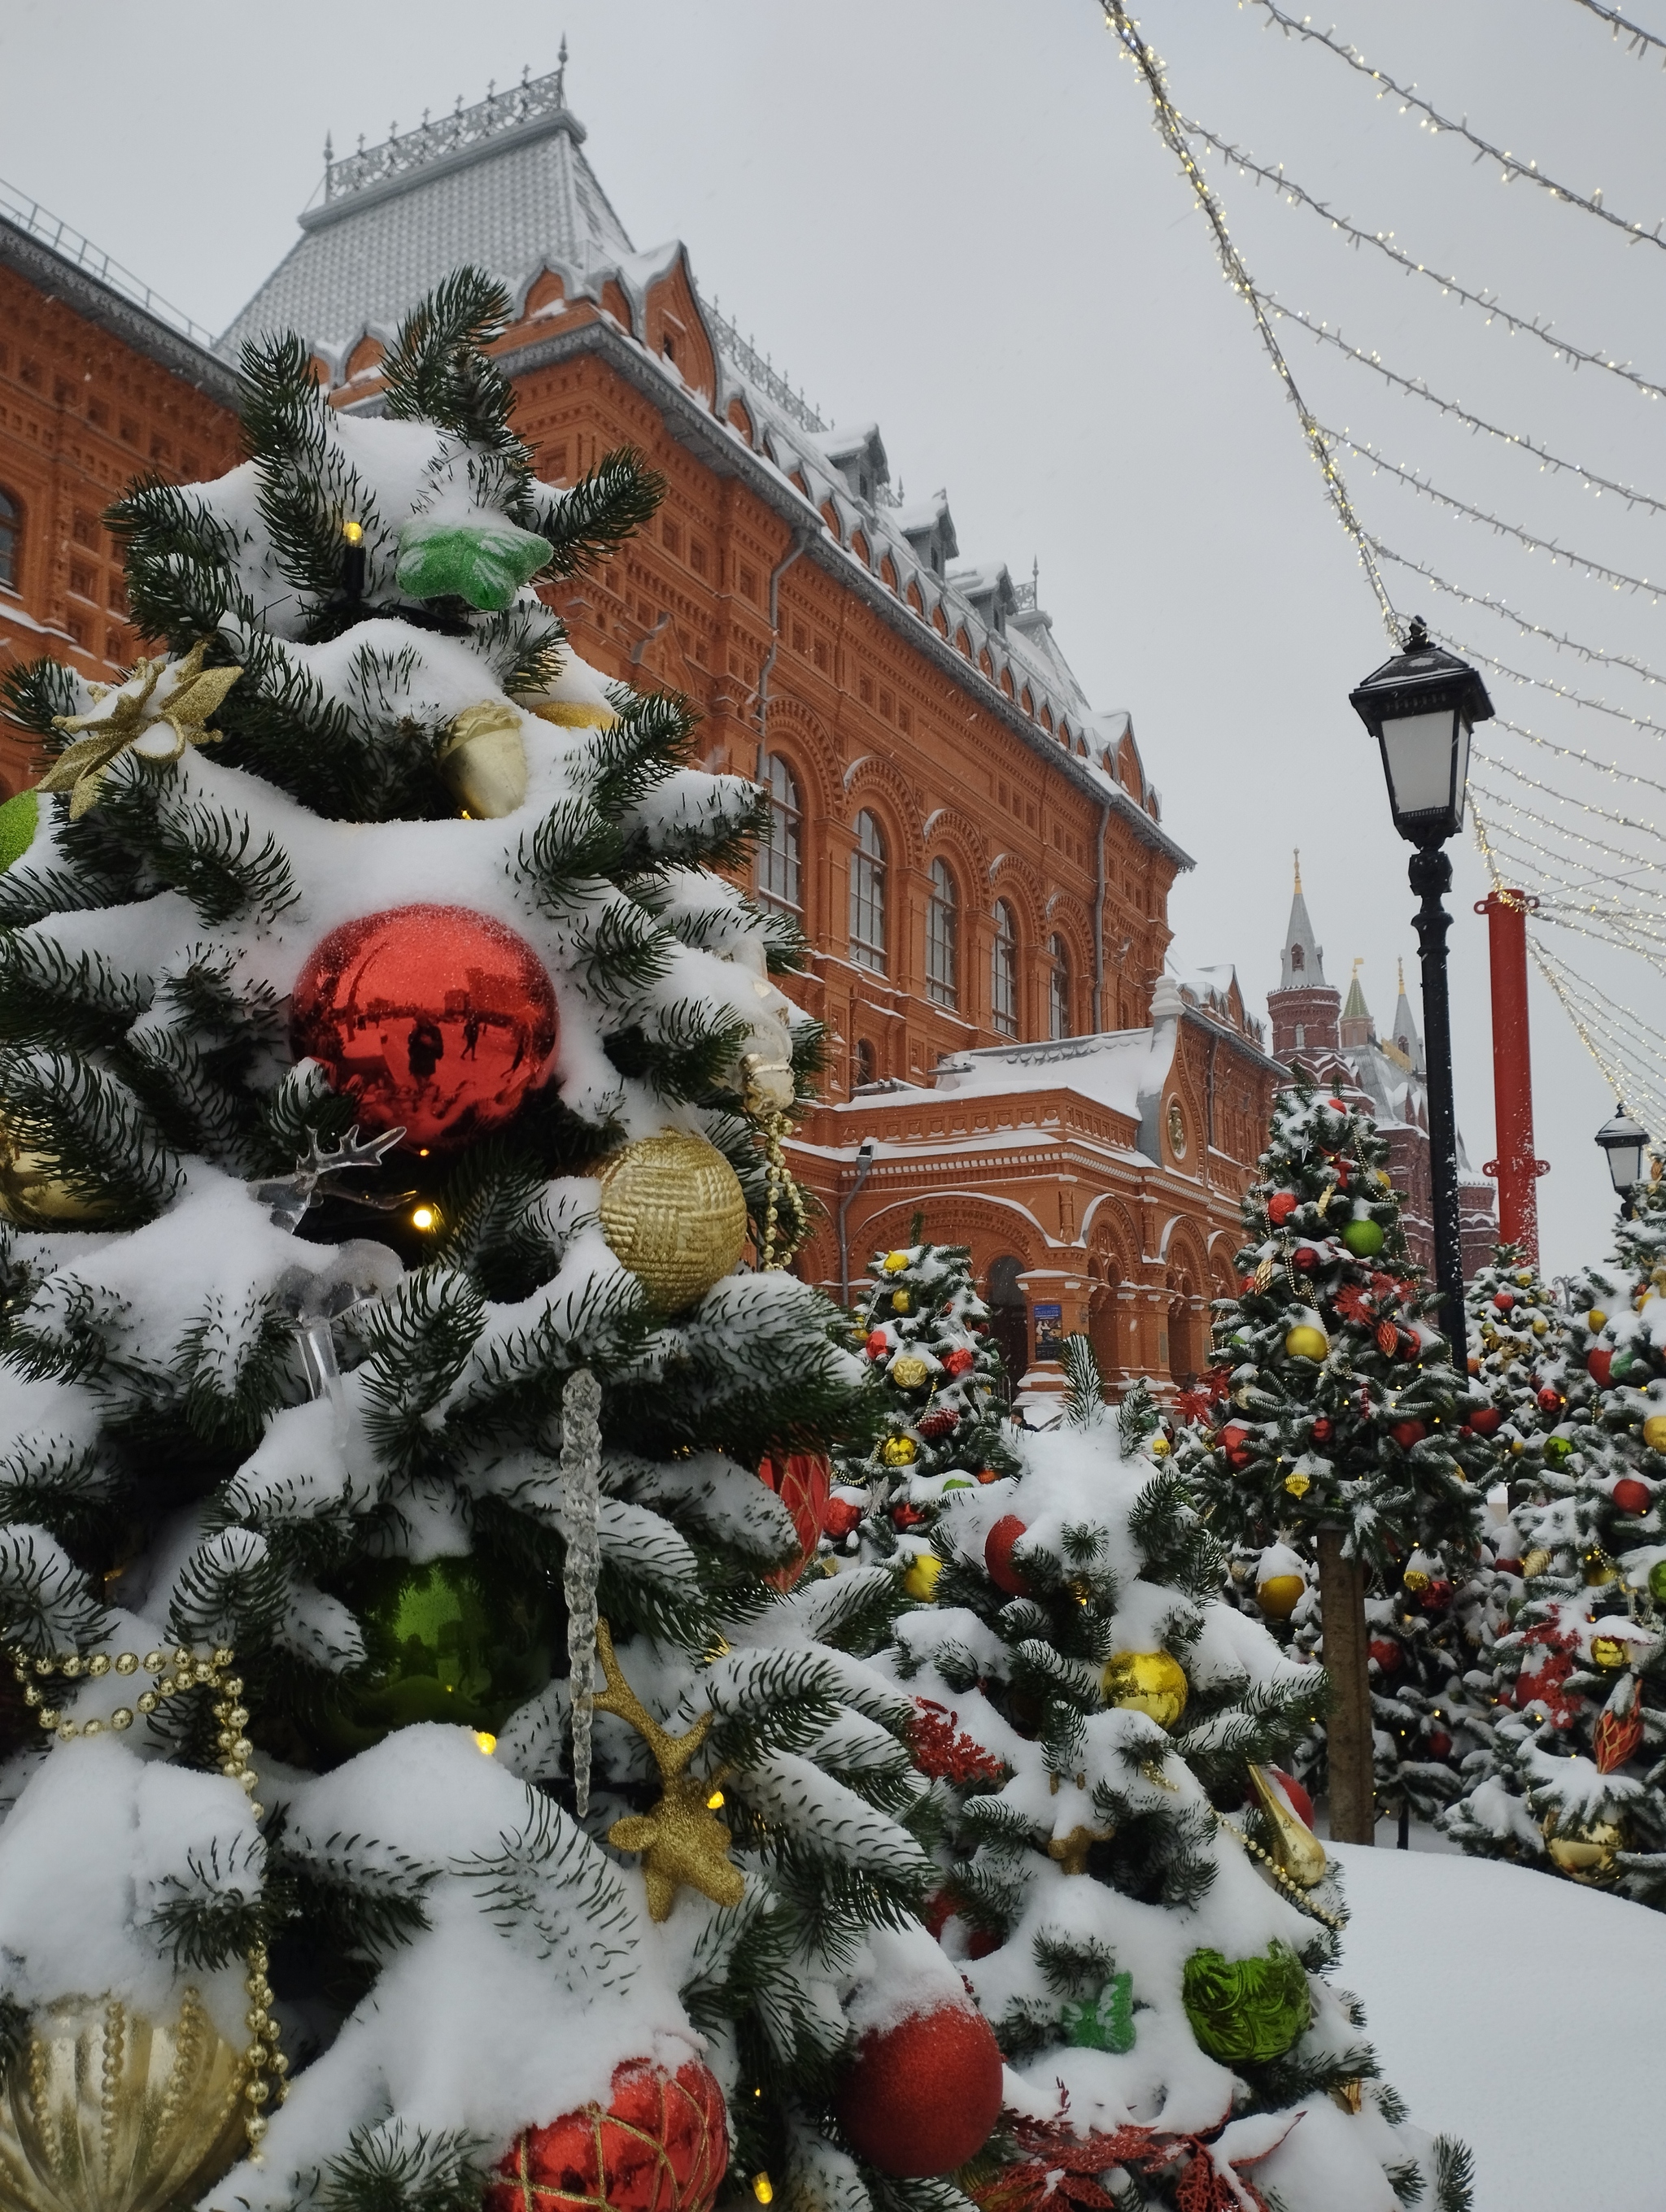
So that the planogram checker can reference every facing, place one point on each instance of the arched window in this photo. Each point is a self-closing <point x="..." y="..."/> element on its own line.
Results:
<point x="863" y="1065"/>
<point x="867" y="896"/>
<point x="1298" y="958"/>
<point x="943" y="938"/>
<point x="11" y="534"/>
<point x="779" y="870"/>
<point x="1004" y="972"/>
<point x="1058" y="991"/>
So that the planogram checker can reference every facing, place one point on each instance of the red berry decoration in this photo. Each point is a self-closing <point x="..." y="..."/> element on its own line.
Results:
<point x="1281" y="1205"/>
<point x="842" y="1516"/>
<point x="1486" y="1420"/>
<point x="1004" y="1572"/>
<point x="1407" y="1433"/>
<point x="1386" y="1652"/>
<point x="1550" y="1401"/>
<point x="1323" y="1430"/>
<point x="430" y="1019"/>
<point x="960" y="1360"/>
<point x="1599" y="1365"/>
<point x="922" y="2097"/>
<point x="662" y="2145"/>
<point x="1632" y="1496"/>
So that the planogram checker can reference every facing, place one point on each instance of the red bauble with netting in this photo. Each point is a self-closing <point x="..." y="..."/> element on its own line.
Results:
<point x="662" y="2145"/>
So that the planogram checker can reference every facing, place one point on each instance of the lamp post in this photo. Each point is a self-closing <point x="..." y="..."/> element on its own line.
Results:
<point x="1624" y="1141"/>
<point x="1420" y="707"/>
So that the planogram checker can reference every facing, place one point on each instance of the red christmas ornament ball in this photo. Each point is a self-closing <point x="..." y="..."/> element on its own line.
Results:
<point x="840" y="1517"/>
<point x="1632" y="1496"/>
<point x="1504" y="1301"/>
<point x="434" y="1019"/>
<point x="961" y="1360"/>
<point x="1281" y="1205"/>
<point x="1004" y="1572"/>
<point x="1323" y="1430"/>
<point x="1440" y="1744"/>
<point x="1407" y="1433"/>
<point x="802" y="1481"/>
<point x="1437" y="1596"/>
<point x="1306" y="1258"/>
<point x="1486" y="1419"/>
<point x="923" y="2097"/>
<point x="1386" y="1652"/>
<point x="1599" y="1366"/>
<point x="662" y="2145"/>
<point x="1550" y="1400"/>
<point x="1235" y="1435"/>
<point x="1300" y="1803"/>
<point x="878" y="1344"/>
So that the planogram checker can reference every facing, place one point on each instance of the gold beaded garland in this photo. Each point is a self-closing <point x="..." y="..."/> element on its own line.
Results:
<point x="176" y="1672"/>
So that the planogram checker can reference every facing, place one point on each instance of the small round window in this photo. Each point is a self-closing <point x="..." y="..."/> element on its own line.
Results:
<point x="1177" y="1130"/>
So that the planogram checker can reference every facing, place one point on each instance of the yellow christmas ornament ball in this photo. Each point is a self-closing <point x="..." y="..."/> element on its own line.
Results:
<point x="902" y="1302"/>
<point x="1159" y="1448"/>
<point x="1298" y="1485"/>
<point x="1279" y="1594"/>
<point x="33" y="1192"/>
<point x="1151" y="1682"/>
<point x="1414" y="1580"/>
<point x="1535" y="1563"/>
<point x="899" y="1451"/>
<point x="909" y="1371"/>
<point x="1611" y="1651"/>
<point x="1589" y="1852"/>
<point x="894" y="1262"/>
<point x="1654" y="1433"/>
<point x="921" y="1580"/>
<point x="1303" y="1342"/>
<point x="1595" y="1320"/>
<point x="673" y="1212"/>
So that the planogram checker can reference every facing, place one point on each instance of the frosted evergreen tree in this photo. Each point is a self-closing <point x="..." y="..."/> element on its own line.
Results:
<point x="1574" y="1776"/>
<point x="1341" y="1408"/>
<point x="1518" y="1366"/>
<point x="390" y="1095"/>
<point x="929" y="1422"/>
<point x="1126" y="1881"/>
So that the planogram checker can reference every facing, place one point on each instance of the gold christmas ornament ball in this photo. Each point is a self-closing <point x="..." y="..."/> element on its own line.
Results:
<point x="34" y="1195"/>
<point x="1598" y="1570"/>
<point x="1535" y="1563"/>
<point x="1524" y="1277"/>
<point x="1279" y="1594"/>
<point x="1160" y="1447"/>
<point x="899" y="1451"/>
<point x="1303" y="1342"/>
<point x="482" y="758"/>
<point x="673" y="1212"/>
<point x="1588" y="1853"/>
<point x="1654" y="1433"/>
<point x="1611" y="1651"/>
<point x="1595" y="1319"/>
<point x="104" y="2110"/>
<point x="1298" y="1485"/>
<point x="1414" y="1580"/>
<point x="909" y="1371"/>
<point x="1151" y="1682"/>
<point x="921" y="1580"/>
<point x="894" y="1262"/>
<point x="902" y="1302"/>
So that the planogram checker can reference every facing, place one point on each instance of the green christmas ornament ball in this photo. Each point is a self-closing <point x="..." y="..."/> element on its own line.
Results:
<point x="1364" y="1238"/>
<point x="20" y="818"/>
<point x="1657" y="1582"/>
<point x="456" y="1638"/>
<point x="1246" y="2010"/>
<point x="486" y="563"/>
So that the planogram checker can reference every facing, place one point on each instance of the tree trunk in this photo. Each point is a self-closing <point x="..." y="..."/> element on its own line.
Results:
<point x="1348" y="1726"/>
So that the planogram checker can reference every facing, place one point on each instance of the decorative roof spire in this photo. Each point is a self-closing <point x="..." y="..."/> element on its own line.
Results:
<point x="1303" y="968"/>
<point x="1356" y="1009"/>
<point x="1299" y="871"/>
<point x="561" y="72"/>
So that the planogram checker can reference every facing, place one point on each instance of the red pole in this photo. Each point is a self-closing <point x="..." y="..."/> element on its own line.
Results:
<point x="1517" y="1168"/>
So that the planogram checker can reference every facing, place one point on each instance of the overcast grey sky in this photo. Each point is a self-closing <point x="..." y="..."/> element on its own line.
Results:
<point x="953" y="216"/>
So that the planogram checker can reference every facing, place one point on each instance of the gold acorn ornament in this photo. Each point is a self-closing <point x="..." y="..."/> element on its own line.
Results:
<point x="1151" y="1682"/>
<point x="105" y="2109"/>
<point x="673" y="1212"/>
<point x="483" y="757"/>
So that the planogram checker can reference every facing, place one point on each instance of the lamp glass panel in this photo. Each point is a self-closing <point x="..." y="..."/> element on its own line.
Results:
<point x="1418" y="749"/>
<point x="1625" y="1165"/>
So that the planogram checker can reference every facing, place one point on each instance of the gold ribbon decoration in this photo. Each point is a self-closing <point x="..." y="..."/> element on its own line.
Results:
<point x="128" y="713"/>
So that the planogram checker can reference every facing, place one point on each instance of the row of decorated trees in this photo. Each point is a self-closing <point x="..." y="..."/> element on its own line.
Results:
<point x="440" y="1773"/>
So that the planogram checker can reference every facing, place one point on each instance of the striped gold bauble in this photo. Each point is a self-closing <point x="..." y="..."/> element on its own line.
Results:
<point x="673" y="1212"/>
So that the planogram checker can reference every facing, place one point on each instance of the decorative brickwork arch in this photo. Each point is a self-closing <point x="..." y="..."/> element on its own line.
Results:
<point x="968" y="845"/>
<point x="874" y="783"/>
<point x="1108" y="1225"/>
<point x="793" y="730"/>
<point x="1015" y="880"/>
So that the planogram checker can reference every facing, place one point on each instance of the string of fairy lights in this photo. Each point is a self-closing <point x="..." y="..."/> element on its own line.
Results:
<point x="1591" y="863"/>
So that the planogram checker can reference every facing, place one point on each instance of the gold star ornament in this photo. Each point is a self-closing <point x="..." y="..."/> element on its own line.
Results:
<point x="163" y="707"/>
<point x="681" y="1840"/>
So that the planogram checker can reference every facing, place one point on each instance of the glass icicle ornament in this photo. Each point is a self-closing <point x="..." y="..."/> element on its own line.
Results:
<point x="580" y="1469"/>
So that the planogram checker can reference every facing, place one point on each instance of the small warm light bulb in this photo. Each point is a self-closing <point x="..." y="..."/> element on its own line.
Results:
<point x="488" y="1743"/>
<point x="763" y="2189"/>
<point x="352" y="531"/>
<point x="422" y="1217"/>
<point x="712" y="1804"/>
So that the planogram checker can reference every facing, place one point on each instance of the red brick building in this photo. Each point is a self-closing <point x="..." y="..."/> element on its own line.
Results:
<point x="975" y="855"/>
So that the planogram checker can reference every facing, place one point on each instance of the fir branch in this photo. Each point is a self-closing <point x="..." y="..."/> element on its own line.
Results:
<point x="230" y="1590"/>
<point x="438" y="371"/>
<point x="73" y="1002"/>
<point x="392" y="2167"/>
<point x="307" y="489"/>
<point x="46" y="1603"/>
<point x="65" y="1488"/>
<point x="213" y="1913"/>
<point x="602" y="510"/>
<point x="1084" y="1385"/>
<point x="34" y="693"/>
<point x="103" y="1144"/>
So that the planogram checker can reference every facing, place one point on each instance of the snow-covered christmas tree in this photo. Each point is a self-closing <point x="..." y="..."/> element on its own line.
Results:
<point x="930" y="1420"/>
<point x="1130" y="1886"/>
<point x="1338" y="1409"/>
<point x="1518" y="1367"/>
<point x="1574" y="1774"/>
<point x="390" y="1095"/>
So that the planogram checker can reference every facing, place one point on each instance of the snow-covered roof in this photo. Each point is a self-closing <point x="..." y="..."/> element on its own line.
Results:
<point x="1119" y="1070"/>
<point x="503" y="184"/>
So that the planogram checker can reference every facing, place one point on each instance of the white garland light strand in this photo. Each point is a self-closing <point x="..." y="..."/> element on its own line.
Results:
<point x="581" y="1470"/>
<point x="1637" y="40"/>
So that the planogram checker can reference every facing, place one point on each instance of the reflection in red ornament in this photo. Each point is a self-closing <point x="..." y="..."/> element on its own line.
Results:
<point x="803" y="1481"/>
<point x="432" y="1019"/>
<point x="661" y="2146"/>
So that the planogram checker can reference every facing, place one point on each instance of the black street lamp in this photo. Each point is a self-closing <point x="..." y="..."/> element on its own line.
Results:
<point x="1420" y="707"/>
<point x="1624" y="1141"/>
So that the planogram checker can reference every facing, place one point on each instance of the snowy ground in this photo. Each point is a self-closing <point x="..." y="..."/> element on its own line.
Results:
<point x="1520" y="2012"/>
